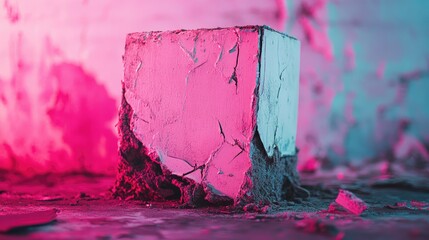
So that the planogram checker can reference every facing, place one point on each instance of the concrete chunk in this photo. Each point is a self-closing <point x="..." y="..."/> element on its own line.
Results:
<point x="350" y="202"/>
<point x="209" y="115"/>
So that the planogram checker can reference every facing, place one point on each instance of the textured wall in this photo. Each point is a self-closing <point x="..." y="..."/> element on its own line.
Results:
<point x="61" y="71"/>
<point x="364" y="79"/>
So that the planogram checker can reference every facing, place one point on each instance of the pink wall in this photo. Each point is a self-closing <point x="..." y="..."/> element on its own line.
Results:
<point x="364" y="73"/>
<point x="61" y="71"/>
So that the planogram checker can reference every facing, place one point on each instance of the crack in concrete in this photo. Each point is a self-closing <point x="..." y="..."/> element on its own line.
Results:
<point x="278" y="92"/>
<point x="139" y="65"/>
<point x="275" y="136"/>
<point x="281" y="74"/>
<point x="234" y="48"/>
<point x="201" y="167"/>
<point x="186" y="161"/>
<point x="193" y="70"/>
<point x="220" y="54"/>
<point x="238" y="144"/>
<point x="277" y="101"/>
<point x="187" y="80"/>
<point x="139" y="118"/>
<point x="193" y="54"/>
<point x="221" y="130"/>
<point x="211" y="157"/>
<point x="238" y="154"/>
<point x="233" y="77"/>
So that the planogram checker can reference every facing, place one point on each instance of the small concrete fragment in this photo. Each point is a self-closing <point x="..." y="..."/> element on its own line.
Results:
<point x="335" y="208"/>
<point x="209" y="115"/>
<point x="412" y="205"/>
<point x="11" y="222"/>
<point x="350" y="202"/>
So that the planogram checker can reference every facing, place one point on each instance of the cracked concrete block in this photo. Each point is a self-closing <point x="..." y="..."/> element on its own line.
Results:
<point x="209" y="115"/>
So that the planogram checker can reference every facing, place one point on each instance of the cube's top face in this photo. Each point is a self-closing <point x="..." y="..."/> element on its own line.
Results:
<point x="192" y="93"/>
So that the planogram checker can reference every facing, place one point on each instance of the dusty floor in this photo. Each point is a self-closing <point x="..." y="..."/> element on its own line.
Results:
<point x="85" y="210"/>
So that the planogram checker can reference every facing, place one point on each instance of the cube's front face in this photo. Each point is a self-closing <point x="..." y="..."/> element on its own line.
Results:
<point x="193" y="97"/>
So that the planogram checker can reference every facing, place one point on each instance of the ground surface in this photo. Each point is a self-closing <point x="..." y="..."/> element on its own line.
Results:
<point x="85" y="210"/>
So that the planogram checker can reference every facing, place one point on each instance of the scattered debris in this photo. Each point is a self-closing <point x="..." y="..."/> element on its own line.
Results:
<point x="419" y="205"/>
<point x="398" y="205"/>
<point x="336" y="208"/>
<point x="259" y="208"/>
<point x="350" y="202"/>
<point x="15" y="221"/>
<point x="412" y="205"/>
<point x="51" y="198"/>
<point x="85" y="196"/>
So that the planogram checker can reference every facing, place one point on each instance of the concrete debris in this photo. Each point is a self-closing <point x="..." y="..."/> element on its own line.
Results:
<point x="10" y="222"/>
<point x="350" y="202"/>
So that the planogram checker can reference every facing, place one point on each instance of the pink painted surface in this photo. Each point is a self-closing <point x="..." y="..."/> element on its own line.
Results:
<point x="196" y="108"/>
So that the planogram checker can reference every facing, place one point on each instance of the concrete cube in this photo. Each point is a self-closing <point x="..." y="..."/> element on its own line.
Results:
<point x="209" y="116"/>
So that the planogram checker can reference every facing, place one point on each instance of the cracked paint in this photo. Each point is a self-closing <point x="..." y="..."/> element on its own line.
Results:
<point x="236" y="48"/>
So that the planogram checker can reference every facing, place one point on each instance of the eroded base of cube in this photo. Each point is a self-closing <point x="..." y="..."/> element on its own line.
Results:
<point x="143" y="177"/>
<point x="274" y="179"/>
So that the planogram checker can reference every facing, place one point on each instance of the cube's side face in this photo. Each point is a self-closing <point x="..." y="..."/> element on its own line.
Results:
<point x="278" y="93"/>
<point x="192" y="93"/>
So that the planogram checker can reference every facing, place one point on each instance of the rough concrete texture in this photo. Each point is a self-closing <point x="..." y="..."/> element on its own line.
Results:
<point x="215" y="108"/>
